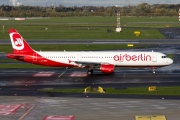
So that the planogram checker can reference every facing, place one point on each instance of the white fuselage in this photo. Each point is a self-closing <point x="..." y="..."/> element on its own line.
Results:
<point x="119" y="58"/>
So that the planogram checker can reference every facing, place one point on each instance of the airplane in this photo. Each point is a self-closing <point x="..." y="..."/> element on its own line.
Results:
<point x="101" y="60"/>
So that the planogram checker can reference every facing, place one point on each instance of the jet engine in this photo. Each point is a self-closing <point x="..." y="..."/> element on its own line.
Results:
<point x="107" y="68"/>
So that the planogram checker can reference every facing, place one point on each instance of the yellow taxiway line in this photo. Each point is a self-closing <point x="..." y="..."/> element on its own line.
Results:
<point x="61" y="74"/>
<point x="26" y="113"/>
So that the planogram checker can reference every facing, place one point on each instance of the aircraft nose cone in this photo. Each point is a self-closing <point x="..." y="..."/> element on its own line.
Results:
<point x="170" y="61"/>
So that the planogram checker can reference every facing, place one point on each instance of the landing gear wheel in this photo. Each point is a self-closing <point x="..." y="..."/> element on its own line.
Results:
<point x="153" y="70"/>
<point x="90" y="72"/>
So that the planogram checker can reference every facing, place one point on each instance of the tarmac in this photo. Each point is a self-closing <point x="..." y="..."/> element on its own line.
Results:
<point x="36" y="108"/>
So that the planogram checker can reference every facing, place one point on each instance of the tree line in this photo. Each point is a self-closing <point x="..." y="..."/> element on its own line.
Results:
<point x="143" y="9"/>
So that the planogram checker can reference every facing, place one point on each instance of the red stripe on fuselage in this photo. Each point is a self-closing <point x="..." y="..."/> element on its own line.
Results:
<point x="35" y="58"/>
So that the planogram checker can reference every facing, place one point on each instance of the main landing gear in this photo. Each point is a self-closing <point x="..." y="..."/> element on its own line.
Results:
<point x="90" y="71"/>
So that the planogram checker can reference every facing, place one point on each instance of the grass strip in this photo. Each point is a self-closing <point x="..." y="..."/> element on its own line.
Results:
<point x="76" y="47"/>
<point x="85" y="32"/>
<point x="89" y="27"/>
<point x="25" y="65"/>
<point x="172" y="91"/>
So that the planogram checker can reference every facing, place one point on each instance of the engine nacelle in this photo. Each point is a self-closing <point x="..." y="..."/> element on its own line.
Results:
<point x="107" y="68"/>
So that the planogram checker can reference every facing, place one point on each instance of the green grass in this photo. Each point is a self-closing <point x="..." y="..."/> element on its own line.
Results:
<point x="65" y="32"/>
<point x="170" y="55"/>
<point x="76" y="47"/>
<point x="4" y="65"/>
<point x="89" y="27"/>
<point x="144" y="91"/>
<point x="95" y="19"/>
<point x="130" y="91"/>
<point x="8" y="60"/>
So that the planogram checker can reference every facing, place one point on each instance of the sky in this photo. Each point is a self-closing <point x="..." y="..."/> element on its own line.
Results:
<point x="88" y="2"/>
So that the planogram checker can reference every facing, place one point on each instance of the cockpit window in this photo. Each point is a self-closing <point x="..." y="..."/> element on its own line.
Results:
<point x="164" y="56"/>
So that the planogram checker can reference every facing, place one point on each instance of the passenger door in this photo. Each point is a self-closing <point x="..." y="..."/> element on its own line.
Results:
<point x="154" y="57"/>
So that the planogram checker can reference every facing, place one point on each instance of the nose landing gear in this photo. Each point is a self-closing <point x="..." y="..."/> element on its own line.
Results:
<point x="153" y="69"/>
<point x="90" y="71"/>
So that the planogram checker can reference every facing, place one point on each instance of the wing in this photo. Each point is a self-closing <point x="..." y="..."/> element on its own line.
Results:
<point x="91" y="64"/>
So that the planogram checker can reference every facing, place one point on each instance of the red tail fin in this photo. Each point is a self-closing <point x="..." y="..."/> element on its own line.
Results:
<point x="18" y="43"/>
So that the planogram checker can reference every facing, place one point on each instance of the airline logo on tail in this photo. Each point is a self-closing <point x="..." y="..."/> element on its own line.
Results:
<point x="17" y="41"/>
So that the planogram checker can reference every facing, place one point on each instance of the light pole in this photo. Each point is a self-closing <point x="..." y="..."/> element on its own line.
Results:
<point x="3" y="28"/>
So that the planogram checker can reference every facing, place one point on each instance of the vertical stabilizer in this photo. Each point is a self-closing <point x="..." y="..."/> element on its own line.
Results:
<point x="18" y="43"/>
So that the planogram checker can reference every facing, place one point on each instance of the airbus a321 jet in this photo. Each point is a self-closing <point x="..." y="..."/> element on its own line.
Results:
<point x="101" y="60"/>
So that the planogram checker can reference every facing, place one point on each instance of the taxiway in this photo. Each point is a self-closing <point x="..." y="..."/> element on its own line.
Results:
<point x="21" y="99"/>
